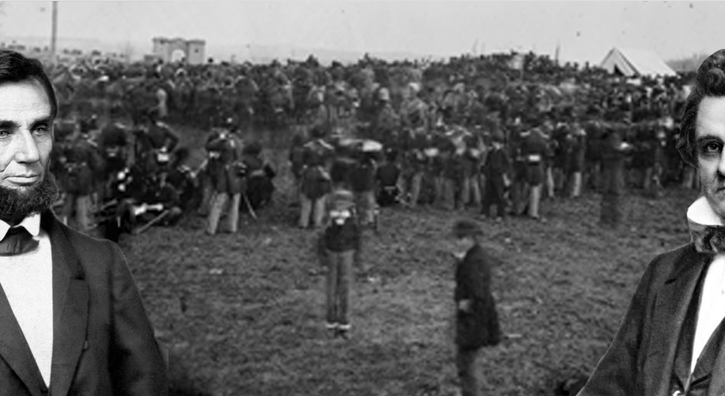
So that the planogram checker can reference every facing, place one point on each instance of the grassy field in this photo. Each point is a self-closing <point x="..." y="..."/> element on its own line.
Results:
<point x="243" y="314"/>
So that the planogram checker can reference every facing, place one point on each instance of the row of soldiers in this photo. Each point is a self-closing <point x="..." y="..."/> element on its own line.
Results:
<point x="508" y="164"/>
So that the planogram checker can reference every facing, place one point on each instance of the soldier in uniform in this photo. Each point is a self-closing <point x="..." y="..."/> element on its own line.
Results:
<point x="471" y="160"/>
<point x="343" y="161"/>
<point x="519" y="187"/>
<point x="81" y="161"/>
<point x="384" y="127"/>
<point x="388" y="177"/>
<point x="182" y="178"/>
<point x="224" y="150"/>
<point x="561" y="150"/>
<point x="496" y="170"/>
<point x="441" y="164"/>
<point x="319" y="116"/>
<point x="415" y="163"/>
<point x="316" y="183"/>
<point x="155" y="143"/>
<point x="160" y="201"/>
<point x="257" y="187"/>
<point x="534" y="148"/>
<point x="362" y="183"/>
<point x="413" y="110"/>
<point x="577" y="159"/>
<point x="296" y="163"/>
<point x="113" y="144"/>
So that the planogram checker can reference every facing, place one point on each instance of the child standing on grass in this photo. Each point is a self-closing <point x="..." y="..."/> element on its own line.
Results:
<point x="340" y="250"/>
<point x="476" y="317"/>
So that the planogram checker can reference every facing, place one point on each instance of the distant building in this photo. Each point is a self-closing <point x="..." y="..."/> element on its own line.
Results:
<point x="42" y="54"/>
<point x="179" y="49"/>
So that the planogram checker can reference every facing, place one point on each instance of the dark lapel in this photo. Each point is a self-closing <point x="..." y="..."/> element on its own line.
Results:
<point x="70" y="307"/>
<point x="668" y="318"/>
<point x="717" y="379"/>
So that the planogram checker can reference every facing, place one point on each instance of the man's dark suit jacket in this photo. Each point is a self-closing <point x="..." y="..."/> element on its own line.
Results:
<point x="640" y="359"/>
<point x="103" y="343"/>
<point x="480" y="327"/>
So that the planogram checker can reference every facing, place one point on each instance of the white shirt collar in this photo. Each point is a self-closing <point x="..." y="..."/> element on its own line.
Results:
<point x="30" y="223"/>
<point x="702" y="213"/>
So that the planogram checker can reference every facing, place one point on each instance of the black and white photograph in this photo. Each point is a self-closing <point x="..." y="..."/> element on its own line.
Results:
<point x="362" y="198"/>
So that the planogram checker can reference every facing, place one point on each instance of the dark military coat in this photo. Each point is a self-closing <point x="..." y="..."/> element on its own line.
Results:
<point x="81" y="160"/>
<point x="223" y="170"/>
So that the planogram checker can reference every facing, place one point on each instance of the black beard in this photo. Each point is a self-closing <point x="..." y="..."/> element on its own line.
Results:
<point x="15" y="205"/>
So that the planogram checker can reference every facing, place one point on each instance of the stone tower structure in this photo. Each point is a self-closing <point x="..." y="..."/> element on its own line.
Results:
<point x="170" y="50"/>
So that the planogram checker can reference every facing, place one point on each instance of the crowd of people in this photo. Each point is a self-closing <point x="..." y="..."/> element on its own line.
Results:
<point x="492" y="134"/>
<point x="502" y="130"/>
<point x="475" y="133"/>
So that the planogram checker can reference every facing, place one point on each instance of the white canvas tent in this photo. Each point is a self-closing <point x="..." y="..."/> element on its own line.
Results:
<point x="636" y="62"/>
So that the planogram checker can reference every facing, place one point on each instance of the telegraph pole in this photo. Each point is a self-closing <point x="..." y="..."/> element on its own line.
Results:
<point x="54" y="33"/>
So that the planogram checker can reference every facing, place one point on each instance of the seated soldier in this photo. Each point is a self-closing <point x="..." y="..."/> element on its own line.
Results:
<point x="113" y="143"/>
<point x="160" y="202"/>
<point x="258" y="175"/>
<point x="181" y="177"/>
<point x="115" y="213"/>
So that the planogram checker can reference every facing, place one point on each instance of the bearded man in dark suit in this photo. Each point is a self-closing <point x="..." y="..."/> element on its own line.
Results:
<point x="672" y="338"/>
<point x="71" y="318"/>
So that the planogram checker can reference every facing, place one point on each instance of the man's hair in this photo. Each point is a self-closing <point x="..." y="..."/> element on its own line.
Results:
<point x="709" y="82"/>
<point x="14" y="67"/>
<point x="466" y="228"/>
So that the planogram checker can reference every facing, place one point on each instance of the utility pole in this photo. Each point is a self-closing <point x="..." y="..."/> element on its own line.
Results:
<point x="54" y="33"/>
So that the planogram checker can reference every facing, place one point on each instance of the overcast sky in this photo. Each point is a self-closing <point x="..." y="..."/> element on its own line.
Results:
<point x="583" y="30"/>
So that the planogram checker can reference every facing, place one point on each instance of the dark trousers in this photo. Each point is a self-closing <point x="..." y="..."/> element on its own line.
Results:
<point x="339" y="280"/>
<point x="494" y="195"/>
<point x="467" y="371"/>
<point x="612" y="190"/>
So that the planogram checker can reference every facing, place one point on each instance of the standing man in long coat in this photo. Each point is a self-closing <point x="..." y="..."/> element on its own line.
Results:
<point x="477" y="322"/>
